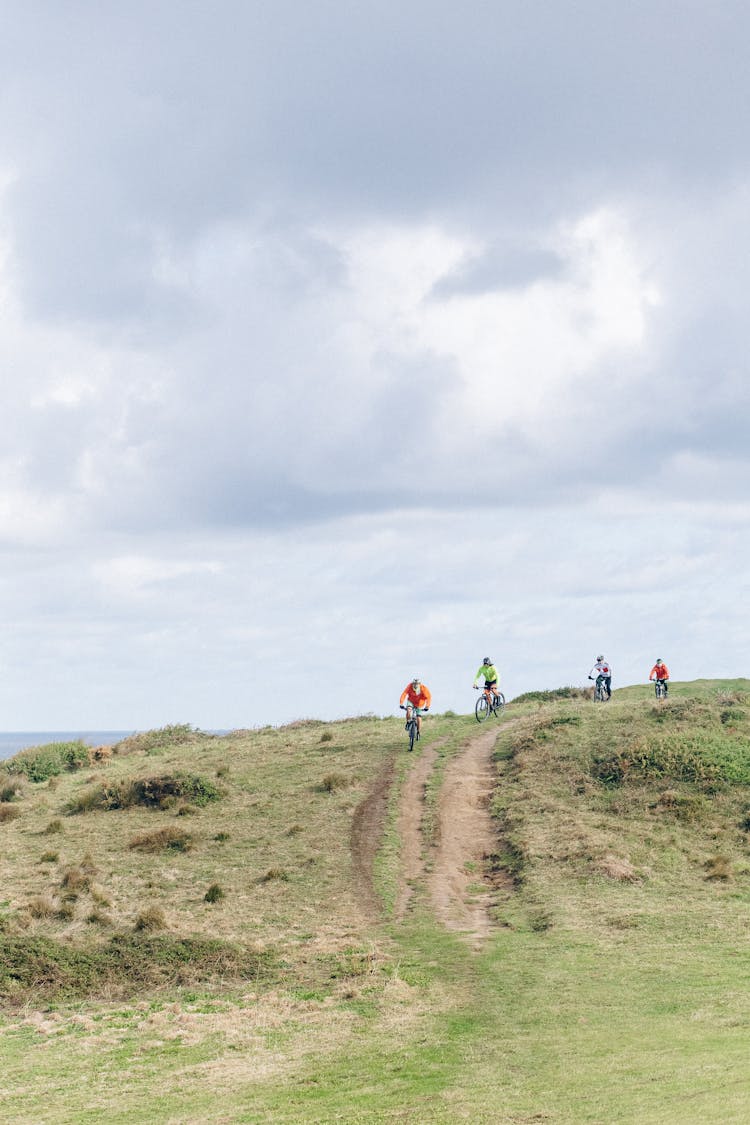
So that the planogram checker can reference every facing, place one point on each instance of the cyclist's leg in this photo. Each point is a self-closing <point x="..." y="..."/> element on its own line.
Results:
<point x="409" y="710"/>
<point x="608" y="686"/>
<point x="418" y="713"/>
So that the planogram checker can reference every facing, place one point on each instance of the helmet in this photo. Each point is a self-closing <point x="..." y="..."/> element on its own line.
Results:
<point x="486" y="660"/>
<point x="600" y="658"/>
<point x="416" y="680"/>
<point x="659" y="660"/>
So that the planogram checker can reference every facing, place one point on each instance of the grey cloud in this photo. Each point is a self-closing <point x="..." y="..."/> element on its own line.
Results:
<point x="504" y="265"/>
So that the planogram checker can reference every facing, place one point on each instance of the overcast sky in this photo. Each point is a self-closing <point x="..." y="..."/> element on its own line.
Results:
<point x="346" y="342"/>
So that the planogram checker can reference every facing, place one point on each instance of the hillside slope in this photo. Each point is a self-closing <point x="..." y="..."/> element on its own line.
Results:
<point x="263" y="940"/>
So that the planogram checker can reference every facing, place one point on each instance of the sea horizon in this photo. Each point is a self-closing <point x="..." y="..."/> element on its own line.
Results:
<point x="12" y="742"/>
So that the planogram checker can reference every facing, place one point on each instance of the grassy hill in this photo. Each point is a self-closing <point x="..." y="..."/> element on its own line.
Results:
<point x="202" y="929"/>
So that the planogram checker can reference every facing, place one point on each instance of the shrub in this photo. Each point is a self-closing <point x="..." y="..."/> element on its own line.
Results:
<point x="552" y="695"/>
<point x="39" y="763"/>
<point x="8" y="812"/>
<point x="187" y="810"/>
<point x="99" y="754"/>
<point x="173" y="838"/>
<point x="326" y="736"/>
<point x="175" y="734"/>
<point x="53" y="827"/>
<point x="214" y="893"/>
<point x="153" y="792"/>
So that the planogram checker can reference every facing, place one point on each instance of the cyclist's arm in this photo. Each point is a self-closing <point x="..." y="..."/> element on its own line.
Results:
<point x="427" y="696"/>
<point x="404" y="694"/>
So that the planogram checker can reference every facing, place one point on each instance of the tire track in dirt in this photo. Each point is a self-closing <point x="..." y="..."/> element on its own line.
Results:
<point x="409" y="826"/>
<point x="366" y="834"/>
<point x="460" y="891"/>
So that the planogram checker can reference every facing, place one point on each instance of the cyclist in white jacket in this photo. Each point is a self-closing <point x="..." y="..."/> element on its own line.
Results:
<point x="603" y="670"/>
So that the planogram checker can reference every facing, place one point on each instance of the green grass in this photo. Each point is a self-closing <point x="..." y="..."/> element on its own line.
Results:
<point x="614" y="988"/>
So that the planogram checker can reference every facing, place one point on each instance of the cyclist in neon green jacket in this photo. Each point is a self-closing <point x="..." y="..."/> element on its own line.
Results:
<point x="491" y="676"/>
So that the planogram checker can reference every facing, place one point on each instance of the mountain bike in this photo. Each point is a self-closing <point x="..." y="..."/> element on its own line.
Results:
<point x="600" y="690"/>
<point x="660" y="689"/>
<point x="489" y="703"/>
<point x="412" y="726"/>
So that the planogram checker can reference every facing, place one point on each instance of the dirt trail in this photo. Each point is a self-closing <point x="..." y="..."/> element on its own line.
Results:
<point x="459" y="890"/>
<point x="366" y="835"/>
<point x="410" y="827"/>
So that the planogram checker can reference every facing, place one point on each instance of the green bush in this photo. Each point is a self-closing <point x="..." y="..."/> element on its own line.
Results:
<point x="174" y="734"/>
<point x="39" y="763"/>
<point x="551" y="696"/>
<point x="154" y="792"/>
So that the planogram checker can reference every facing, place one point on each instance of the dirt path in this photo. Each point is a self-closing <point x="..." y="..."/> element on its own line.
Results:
<point x="460" y="892"/>
<point x="366" y="835"/>
<point x="410" y="828"/>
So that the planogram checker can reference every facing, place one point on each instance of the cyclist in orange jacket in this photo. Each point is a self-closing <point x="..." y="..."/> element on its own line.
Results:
<point x="660" y="673"/>
<point x="418" y="699"/>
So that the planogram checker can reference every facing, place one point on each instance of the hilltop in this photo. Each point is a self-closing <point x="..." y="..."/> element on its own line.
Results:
<point x="545" y="918"/>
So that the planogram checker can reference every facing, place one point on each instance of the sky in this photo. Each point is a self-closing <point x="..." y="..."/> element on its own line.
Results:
<point x="342" y="343"/>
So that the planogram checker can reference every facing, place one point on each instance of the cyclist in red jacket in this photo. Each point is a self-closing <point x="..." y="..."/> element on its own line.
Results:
<point x="418" y="699"/>
<point x="660" y="673"/>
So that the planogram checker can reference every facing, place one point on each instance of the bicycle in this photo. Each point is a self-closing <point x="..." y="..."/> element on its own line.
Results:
<point x="489" y="703"/>
<point x="412" y="726"/>
<point x="600" y="691"/>
<point x="660" y="689"/>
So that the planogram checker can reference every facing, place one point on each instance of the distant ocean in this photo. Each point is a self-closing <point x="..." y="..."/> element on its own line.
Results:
<point x="13" y="741"/>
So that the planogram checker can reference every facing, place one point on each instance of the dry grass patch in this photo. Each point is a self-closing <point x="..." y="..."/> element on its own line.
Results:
<point x="175" y="839"/>
<point x="719" y="868"/>
<point x="42" y="906"/>
<point x="8" y="812"/>
<point x="150" y="919"/>
<point x="615" y="867"/>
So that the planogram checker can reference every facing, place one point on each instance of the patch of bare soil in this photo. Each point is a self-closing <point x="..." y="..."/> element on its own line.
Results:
<point x="460" y="888"/>
<point x="410" y="813"/>
<point x="368" y="824"/>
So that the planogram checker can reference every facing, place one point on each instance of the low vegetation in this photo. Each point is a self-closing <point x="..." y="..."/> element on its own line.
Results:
<point x="251" y="964"/>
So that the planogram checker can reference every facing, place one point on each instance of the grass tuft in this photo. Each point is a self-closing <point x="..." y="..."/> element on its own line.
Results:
<point x="174" y="839"/>
<point x="333" y="781"/>
<point x="214" y="893"/>
<point x="8" y="812"/>
<point x="152" y="918"/>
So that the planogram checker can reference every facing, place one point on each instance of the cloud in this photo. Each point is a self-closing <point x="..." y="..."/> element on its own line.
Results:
<point x="312" y="318"/>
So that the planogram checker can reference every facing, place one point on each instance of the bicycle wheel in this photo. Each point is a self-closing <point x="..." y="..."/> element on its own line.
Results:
<point x="499" y="704"/>
<point x="599" y="693"/>
<point x="482" y="709"/>
<point x="413" y="733"/>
